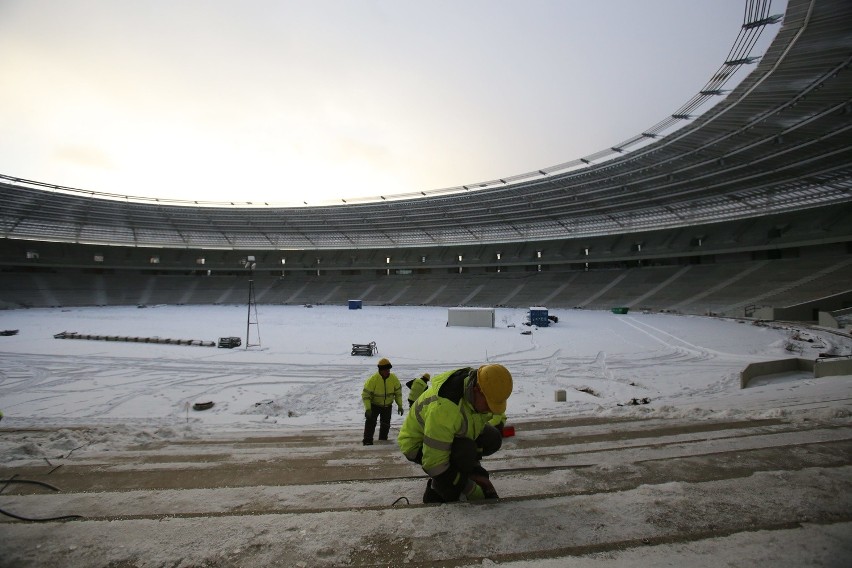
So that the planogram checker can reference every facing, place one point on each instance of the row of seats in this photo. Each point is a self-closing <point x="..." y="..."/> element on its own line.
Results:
<point x="718" y="288"/>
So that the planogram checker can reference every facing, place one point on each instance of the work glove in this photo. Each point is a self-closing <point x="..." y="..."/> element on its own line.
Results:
<point x="368" y="414"/>
<point x="480" y="478"/>
<point x="399" y="410"/>
<point x="479" y="471"/>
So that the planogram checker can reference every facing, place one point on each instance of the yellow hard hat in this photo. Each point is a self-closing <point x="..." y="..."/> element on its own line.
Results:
<point x="384" y="364"/>
<point x="495" y="382"/>
<point x="426" y="376"/>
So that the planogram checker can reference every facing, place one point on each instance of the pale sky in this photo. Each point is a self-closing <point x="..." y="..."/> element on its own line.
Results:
<point x="311" y="101"/>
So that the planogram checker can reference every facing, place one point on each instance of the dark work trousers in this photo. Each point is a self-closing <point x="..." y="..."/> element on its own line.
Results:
<point x="464" y="456"/>
<point x="381" y="414"/>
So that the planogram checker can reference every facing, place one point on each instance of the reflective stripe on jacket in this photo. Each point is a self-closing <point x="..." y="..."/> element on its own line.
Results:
<point x="435" y="421"/>
<point x="381" y="392"/>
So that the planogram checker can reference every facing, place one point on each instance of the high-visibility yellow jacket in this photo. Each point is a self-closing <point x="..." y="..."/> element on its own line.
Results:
<point x="418" y="386"/>
<point x="381" y="391"/>
<point x="441" y="414"/>
<point x="497" y="420"/>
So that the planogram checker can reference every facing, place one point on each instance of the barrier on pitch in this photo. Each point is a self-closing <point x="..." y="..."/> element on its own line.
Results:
<point x="470" y="317"/>
<point x="128" y="339"/>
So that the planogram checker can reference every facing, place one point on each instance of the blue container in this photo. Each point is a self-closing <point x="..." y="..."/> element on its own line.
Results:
<point x="538" y="316"/>
<point x="354" y="304"/>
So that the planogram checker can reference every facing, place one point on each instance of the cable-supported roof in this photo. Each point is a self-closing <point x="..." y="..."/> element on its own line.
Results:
<point x="780" y="141"/>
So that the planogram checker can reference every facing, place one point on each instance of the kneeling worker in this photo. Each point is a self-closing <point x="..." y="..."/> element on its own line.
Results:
<point x="418" y="386"/>
<point x="447" y="431"/>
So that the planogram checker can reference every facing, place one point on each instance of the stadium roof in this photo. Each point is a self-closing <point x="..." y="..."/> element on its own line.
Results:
<point x="780" y="141"/>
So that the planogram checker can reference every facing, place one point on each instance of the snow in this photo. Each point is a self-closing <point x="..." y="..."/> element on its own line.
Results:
<point x="89" y="396"/>
<point x="303" y="376"/>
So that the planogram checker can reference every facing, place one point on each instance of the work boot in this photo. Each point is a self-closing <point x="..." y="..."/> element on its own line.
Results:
<point x="430" y="495"/>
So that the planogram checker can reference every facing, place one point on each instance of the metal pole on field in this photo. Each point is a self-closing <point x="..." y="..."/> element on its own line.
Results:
<point x="252" y="306"/>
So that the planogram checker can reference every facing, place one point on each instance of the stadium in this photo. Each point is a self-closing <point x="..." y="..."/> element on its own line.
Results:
<point x="759" y="182"/>
<point x="737" y="213"/>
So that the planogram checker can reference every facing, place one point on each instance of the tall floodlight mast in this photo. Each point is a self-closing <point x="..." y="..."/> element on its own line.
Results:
<point x="251" y="319"/>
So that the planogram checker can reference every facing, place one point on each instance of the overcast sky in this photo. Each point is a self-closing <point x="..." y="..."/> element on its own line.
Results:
<point x="292" y="101"/>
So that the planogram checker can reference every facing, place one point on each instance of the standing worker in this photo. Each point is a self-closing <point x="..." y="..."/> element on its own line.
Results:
<point x="380" y="392"/>
<point x="417" y="386"/>
<point x="447" y="431"/>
